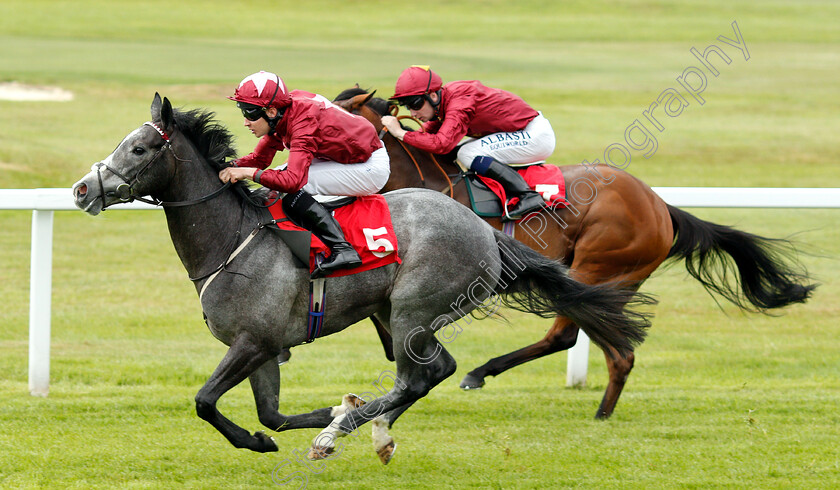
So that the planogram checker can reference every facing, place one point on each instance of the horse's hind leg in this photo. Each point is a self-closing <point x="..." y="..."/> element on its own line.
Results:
<point x="384" y="337"/>
<point x="561" y="336"/>
<point x="619" y="370"/>
<point x="417" y="373"/>
<point x="383" y="443"/>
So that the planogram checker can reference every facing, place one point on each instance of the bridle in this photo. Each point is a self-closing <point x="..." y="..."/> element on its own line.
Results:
<point x="125" y="191"/>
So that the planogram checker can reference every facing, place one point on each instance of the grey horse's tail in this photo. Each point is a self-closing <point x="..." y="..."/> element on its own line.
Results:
<point x="533" y="283"/>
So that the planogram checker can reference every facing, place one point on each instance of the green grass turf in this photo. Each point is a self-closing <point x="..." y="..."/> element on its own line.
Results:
<point x="717" y="398"/>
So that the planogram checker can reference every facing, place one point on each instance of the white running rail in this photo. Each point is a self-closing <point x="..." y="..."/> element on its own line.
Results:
<point x="43" y="203"/>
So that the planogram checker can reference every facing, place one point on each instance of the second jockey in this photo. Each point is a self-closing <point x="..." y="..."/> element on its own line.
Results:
<point x="505" y="130"/>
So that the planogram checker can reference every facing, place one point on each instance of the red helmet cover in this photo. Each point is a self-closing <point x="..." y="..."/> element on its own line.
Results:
<point x="417" y="80"/>
<point x="263" y="89"/>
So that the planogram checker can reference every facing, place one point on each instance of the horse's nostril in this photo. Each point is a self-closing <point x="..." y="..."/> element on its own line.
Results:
<point x="80" y="191"/>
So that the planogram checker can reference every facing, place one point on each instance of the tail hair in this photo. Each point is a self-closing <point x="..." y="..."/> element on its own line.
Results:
<point x="533" y="283"/>
<point x="753" y="272"/>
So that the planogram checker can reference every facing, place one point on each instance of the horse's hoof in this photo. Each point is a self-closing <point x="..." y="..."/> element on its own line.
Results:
<point x="470" y="382"/>
<point x="601" y="415"/>
<point x="319" y="452"/>
<point x="386" y="452"/>
<point x="265" y="443"/>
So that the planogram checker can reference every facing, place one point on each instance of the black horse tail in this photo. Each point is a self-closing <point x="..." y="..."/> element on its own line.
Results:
<point x="755" y="273"/>
<point x="533" y="283"/>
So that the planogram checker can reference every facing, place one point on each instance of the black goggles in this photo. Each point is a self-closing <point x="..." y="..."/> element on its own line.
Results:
<point x="414" y="102"/>
<point x="251" y="112"/>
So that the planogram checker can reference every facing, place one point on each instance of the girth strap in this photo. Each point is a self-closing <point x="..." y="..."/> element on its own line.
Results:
<point x="233" y="254"/>
<point x="317" y="288"/>
<point x="317" y="297"/>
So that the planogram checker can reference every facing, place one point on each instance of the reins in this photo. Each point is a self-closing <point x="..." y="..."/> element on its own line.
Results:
<point x="238" y="233"/>
<point x="394" y="111"/>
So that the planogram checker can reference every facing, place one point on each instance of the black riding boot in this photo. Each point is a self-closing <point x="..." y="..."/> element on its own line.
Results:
<point x="514" y="184"/>
<point x="305" y="211"/>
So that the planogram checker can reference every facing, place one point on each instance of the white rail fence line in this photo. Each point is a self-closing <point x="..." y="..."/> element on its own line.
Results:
<point x="44" y="202"/>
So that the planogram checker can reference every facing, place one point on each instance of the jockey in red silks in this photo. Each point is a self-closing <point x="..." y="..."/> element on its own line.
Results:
<point x="505" y="130"/>
<point x="331" y="153"/>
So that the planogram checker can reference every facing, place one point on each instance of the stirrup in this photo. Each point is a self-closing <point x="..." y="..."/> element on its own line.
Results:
<point x="519" y="214"/>
<point x="336" y="262"/>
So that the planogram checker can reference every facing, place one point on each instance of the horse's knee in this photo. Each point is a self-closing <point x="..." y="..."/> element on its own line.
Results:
<point x="204" y="409"/>
<point x="561" y="336"/>
<point x="627" y="361"/>
<point x="564" y="339"/>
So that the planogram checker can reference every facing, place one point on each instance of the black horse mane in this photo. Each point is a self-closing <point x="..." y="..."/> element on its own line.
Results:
<point x="215" y="143"/>
<point x="381" y="106"/>
<point x="212" y="140"/>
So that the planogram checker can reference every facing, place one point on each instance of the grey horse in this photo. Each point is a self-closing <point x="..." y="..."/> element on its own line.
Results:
<point x="258" y="300"/>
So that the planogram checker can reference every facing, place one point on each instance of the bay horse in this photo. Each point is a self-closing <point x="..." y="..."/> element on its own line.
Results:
<point x="616" y="232"/>
<point x="257" y="300"/>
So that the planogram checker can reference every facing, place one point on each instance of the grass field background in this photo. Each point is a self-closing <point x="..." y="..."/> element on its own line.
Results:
<point x="717" y="398"/>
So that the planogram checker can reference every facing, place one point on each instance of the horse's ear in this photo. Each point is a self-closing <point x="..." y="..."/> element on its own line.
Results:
<point x="367" y="99"/>
<point x="355" y="103"/>
<point x="156" y="103"/>
<point x="167" y="119"/>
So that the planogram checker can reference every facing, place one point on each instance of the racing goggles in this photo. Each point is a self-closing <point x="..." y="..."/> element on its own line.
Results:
<point x="251" y="112"/>
<point x="413" y="102"/>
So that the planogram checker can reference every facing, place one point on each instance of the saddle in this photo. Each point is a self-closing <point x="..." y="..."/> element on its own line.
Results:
<point x="483" y="201"/>
<point x="299" y="241"/>
<point x="366" y="222"/>
<point x="486" y="195"/>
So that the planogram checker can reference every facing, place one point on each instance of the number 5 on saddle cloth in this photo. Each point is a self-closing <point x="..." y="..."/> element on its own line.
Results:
<point x="366" y="223"/>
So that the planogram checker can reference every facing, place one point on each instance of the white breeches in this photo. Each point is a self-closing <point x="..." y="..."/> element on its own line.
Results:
<point x="534" y="144"/>
<point x="356" y="179"/>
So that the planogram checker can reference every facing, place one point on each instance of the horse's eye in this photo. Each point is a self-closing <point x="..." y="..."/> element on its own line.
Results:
<point x="138" y="150"/>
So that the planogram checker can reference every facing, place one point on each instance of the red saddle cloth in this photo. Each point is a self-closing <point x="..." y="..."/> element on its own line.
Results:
<point x="366" y="223"/>
<point x="547" y="180"/>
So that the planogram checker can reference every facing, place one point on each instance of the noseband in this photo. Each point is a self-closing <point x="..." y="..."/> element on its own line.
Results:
<point x="125" y="192"/>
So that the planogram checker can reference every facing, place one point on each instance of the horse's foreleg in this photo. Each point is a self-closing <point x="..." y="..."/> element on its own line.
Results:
<point x="619" y="370"/>
<point x="561" y="336"/>
<point x="265" y="383"/>
<point x="242" y="359"/>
